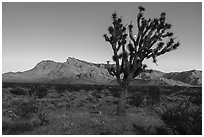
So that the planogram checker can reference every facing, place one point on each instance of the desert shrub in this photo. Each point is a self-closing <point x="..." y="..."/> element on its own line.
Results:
<point x="98" y="88"/>
<point x="16" y="127"/>
<point x="141" y="129"/>
<point x="26" y="109"/>
<point x="182" y="117"/>
<point x="9" y="85"/>
<point x="107" y="132"/>
<point x="18" y="91"/>
<point x="197" y="100"/>
<point x="29" y="115"/>
<point x="162" y="130"/>
<point x="79" y="104"/>
<point x="153" y="96"/>
<point x="91" y="99"/>
<point x="60" y="105"/>
<point x="6" y="122"/>
<point x="19" y="126"/>
<point x="114" y="91"/>
<point x="190" y="92"/>
<point x="106" y="92"/>
<point x="68" y="106"/>
<point x="44" y="118"/>
<point x="96" y="94"/>
<point x="50" y="106"/>
<point x="60" y="88"/>
<point x="75" y="88"/>
<point x="5" y="85"/>
<point x="30" y="92"/>
<point x="136" y="99"/>
<point x="41" y="91"/>
<point x="25" y="119"/>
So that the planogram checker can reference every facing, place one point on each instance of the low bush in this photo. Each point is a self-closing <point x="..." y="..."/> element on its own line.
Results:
<point x="197" y="100"/>
<point x="136" y="99"/>
<point x="60" y="89"/>
<point x="154" y="93"/>
<point x="41" y="91"/>
<point x="114" y="92"/>
<point x="182" y="117"/>
<point x="91" y="99"/>
<point x="17" y="127"/>
<point x="18" y="91"/>
<point x="96" y="95"/>
<point x="162" y="130"/>
<point x="44" y="118"/>
<point x="26" y="109"/>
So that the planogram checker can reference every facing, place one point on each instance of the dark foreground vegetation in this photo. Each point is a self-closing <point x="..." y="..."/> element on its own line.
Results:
<point x="88" y="109"/>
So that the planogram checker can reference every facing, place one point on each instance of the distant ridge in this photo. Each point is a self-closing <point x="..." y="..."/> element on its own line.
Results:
<point x="75" y="71"/>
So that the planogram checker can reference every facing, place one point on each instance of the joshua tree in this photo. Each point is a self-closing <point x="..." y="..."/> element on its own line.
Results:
<point x="152" y="40"/>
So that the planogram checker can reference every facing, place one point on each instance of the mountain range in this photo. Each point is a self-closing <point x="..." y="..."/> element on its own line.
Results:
<point x="75" y="71"/>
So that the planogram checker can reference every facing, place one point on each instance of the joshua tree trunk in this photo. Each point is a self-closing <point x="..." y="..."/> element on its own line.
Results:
<point x="122" y="101"/>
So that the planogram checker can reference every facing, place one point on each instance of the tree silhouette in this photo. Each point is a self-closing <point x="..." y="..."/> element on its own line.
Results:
<point x="152" y="40"/>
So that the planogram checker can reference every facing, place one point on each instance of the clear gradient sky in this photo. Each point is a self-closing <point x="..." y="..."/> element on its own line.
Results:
<point x="33" y="32"/>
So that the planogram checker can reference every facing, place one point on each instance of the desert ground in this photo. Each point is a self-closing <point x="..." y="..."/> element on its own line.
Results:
<point x="48" y="109"/>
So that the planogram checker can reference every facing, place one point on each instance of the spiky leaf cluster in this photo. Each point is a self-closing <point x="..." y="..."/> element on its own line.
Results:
<point x="117" y="32"/>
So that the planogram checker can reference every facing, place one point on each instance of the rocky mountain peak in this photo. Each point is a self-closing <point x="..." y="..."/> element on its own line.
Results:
<point x="45" y="62"/>
<point x="46" y="66"/>
<point x="71" y="59"/>
<point x="78" y="71"/>
<point x="79" y="63"/>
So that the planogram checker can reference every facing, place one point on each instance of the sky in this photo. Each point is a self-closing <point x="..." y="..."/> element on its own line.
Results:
<point x="32" y="32"/>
